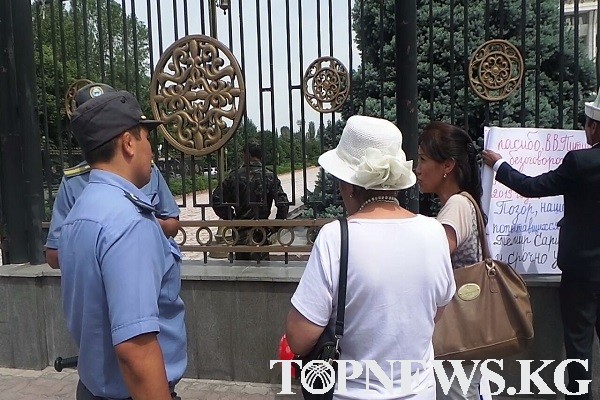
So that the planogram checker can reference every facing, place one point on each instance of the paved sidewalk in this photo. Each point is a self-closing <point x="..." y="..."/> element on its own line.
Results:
<point x="19" y="384"/>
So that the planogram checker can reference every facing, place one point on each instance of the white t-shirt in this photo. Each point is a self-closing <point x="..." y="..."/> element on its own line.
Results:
<point x="399" y="273"/>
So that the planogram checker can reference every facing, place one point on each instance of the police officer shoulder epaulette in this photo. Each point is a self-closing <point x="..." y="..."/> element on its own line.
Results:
<point x="76" y="170"/>
<point x="142" y="205"/>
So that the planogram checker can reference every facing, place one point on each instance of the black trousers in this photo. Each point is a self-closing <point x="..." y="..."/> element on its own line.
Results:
<point x="84" y="394"/>
<point x="580" y="310"/>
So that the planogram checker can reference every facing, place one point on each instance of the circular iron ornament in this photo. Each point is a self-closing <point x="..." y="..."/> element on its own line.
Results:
<point x="496" y="69"/>
<point x="198" y="91"/>
<point x="326" y="84"/>
<point x="71" y="93"/>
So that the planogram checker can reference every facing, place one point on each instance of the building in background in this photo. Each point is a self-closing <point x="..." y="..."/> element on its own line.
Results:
<point x="588" y="23"/>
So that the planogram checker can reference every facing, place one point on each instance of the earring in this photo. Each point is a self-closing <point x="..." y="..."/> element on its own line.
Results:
<point x="351" y="194"/>
<point x="445" y="175"/>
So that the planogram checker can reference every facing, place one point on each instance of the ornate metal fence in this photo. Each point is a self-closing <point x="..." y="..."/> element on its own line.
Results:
<point x="288" y="73"/>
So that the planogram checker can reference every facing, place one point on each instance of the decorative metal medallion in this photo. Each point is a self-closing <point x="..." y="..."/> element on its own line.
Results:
<point x="326" y="84"/>
<point x="71" y="93"/>
<point x="496" y="70"/>
<point x="468" y="291"/>
<point x="199" y="92"/>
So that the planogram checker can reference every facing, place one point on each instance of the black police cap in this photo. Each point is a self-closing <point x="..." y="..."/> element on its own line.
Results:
<point x="102" y="118"/>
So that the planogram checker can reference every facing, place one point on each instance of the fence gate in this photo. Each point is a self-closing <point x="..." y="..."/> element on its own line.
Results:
<point x="289" y="73"/>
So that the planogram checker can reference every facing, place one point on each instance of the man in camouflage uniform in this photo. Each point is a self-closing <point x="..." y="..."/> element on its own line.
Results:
<point x="258" y="187"/>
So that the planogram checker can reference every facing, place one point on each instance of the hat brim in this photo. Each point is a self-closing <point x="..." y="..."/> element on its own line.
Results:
<point x="150" y="124"/>
<point x="334" y="165"/>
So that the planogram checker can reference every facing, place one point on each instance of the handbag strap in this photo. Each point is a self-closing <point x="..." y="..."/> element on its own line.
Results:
<point x="485" y="250"/>
<point x="341" y="304"/>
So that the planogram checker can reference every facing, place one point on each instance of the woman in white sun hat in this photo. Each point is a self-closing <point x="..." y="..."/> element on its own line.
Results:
<point x="399" y="269"/>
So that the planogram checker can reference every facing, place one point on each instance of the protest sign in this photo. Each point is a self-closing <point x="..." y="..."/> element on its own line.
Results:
<point x="523" y="232"/>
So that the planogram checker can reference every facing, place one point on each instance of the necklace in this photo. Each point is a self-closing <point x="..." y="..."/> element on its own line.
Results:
<point x="379" y="199"/>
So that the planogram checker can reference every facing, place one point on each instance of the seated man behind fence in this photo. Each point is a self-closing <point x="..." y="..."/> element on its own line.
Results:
<point x="258" y="187"/>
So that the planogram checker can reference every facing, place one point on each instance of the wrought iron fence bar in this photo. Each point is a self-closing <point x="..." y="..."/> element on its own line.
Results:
<point x="537" y="62"/>
<point x="501" y="35"/>
<point x="159" y="26"/>
<point x="111" y="58"/>
<point x="486" y="29"/>
<point x="272" y="80"/>
<point x="561" y="70"/>
<point x="318" y="27"/>
<point x="44" y="106"/>
<point x="331" y="28"/>
<point x="203" y="16"/>
<point x="576" y="74"/>
<point x="246" y="249"/>
<point x="86" y="32"/>
<point x="381" y="64"/>
<point x="350" y="63"/>
<point x="57" y="94"/>
<point x="76" y="37"/>
<point x="524" y="53"/>
<point x="63" y="55"/>
<point x="452" y="68"/>
<point x="134" y="38"/>
<point x="175" y="20"/>
<point x="430" y="60"/>
<point x="363" y="73"/>
<point x="100" y="40"/>
<point x="186" y="23"/>
<point x="291" y="87"/>
<point x="466" y="65"/>
<point x="284" y="223"/>
<point x="125" y="42"/>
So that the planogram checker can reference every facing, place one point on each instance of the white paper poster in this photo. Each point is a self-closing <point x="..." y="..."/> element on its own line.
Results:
<point x="523" y="232"/>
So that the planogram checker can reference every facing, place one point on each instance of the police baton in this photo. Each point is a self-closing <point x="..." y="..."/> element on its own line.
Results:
<point x="62" y="363"/>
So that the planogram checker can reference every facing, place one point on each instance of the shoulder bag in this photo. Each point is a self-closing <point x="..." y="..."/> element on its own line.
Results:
<point x="490" y="314"/>
<point x="327" y="347"/>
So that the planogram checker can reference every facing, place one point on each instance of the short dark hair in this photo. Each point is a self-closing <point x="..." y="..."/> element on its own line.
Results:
<point x="253" y="149"/>
<point x="106" y="151"/>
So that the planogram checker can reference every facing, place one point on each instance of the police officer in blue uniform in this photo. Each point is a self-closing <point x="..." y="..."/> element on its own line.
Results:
<point x="76" y="178"/>
<point x="120" y="276"/>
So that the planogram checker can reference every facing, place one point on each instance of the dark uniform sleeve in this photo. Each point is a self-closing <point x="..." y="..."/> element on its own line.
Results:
<point x="222" y="194"/>
<point x="281" y="201"/>
<point x="552" y="183"/>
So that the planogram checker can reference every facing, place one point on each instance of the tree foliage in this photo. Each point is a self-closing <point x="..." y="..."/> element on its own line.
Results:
<point x="444" y="46"/>
<point x="443" y="90"/>
<point x="86" y="39"/>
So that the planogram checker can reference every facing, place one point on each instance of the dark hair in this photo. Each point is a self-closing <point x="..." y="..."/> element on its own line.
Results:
<point x="105" y="152"/>
<point x="442" y="142"/>
<point x="253" y="149"/>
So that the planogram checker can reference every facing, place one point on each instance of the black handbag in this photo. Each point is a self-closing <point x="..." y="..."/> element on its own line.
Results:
<point x="327" y="347"/>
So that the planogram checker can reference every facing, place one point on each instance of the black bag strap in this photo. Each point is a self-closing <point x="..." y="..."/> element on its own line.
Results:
<point x="341" y="304"/>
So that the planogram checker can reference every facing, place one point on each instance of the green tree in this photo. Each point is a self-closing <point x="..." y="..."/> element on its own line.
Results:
<point x="91" y="40"/>
<point x="436" y="97"/>
<point x="442" y="80"/>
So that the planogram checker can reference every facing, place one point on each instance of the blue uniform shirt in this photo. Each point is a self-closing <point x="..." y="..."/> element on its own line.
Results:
<point x="120" y="279"/>
<point x="70" y="188"/>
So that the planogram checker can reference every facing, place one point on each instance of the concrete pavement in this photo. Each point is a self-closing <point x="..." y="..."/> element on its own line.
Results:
<point x="19" y="384"/>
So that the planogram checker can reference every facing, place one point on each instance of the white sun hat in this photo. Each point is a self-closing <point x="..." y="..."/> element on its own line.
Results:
<point x="592" y="109"/>
<point x="370" y="155"/>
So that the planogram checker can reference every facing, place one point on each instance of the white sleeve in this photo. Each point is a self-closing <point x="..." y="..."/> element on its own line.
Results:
<point x="446" y="286"/>
<point x="497" y="164"/>
<point x="314" y="295"/>
<point x="457" y="214"/>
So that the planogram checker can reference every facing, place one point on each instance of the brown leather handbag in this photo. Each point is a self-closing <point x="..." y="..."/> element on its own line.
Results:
<point x="490" y="314"/>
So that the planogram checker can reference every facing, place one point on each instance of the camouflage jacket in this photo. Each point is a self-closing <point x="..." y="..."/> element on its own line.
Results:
<point x="256" y="194"/>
